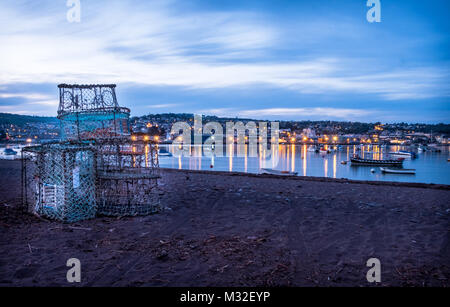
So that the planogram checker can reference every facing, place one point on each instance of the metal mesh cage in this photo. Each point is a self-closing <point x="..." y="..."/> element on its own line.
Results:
<point x="127" y="177"/>
<point x="91" y="112"/>
<point x="59" y="181"/>
<point x="98" y="168"/>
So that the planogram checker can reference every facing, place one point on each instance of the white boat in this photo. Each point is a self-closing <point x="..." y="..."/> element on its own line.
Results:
<point x="311" y="149"/>
<point x="400" y="153"/>
<point x="10" y="154"/>
<point x="277" y="172"/>
<point x="406" y="154"/>
<point x="398" y="170"/>
<point x="164" y="153"/>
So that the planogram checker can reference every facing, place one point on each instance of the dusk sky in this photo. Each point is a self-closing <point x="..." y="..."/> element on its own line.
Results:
<point x="299" y="60"/>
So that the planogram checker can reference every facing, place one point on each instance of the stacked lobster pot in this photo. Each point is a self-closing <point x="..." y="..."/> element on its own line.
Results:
<point x="97" y="168"/>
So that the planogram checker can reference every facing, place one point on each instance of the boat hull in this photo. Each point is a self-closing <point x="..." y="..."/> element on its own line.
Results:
<point x="398" y="171"/>
<point x="276" y="172"/>
<point x="356" y="161"/>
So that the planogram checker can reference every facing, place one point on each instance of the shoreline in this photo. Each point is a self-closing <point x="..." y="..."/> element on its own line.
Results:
<point x="318" y="179"/>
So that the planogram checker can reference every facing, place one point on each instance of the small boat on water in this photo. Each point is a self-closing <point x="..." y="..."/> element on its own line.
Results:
<point x="356" y="160"/>
<point x="402" y="153"/>
<point x="311" y="149"/>
<point x="164" y="153"/>
<point x="9" y="152"/>
<point x="398" y="170"/>
<point x="277" y="172"/>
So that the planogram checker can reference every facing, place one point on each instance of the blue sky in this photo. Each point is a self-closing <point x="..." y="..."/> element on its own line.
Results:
<point x="299" y="60"/>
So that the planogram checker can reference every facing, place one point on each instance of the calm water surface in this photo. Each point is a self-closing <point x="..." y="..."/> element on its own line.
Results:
<point x="431" y="167"/>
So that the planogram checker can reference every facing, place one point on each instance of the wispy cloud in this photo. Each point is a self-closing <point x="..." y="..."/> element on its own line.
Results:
<point x="156" y="45"/>
<point x="165" y="105"/>
<point x="292" y="113"/>
<point x="27" y="96"/>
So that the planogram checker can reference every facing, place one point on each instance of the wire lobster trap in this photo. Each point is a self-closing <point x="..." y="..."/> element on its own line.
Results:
<point x="91" y="112"/>
<point x="58" y="181"/>
<point x="127" y="178"/>
<point x="98" y="168"/>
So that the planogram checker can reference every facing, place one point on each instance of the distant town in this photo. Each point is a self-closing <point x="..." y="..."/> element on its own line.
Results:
<point x="34" y="130"/>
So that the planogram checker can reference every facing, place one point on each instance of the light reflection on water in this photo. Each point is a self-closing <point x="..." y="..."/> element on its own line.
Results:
<point x="431" y="167"/>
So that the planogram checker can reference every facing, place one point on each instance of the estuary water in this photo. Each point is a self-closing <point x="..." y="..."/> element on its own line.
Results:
<point x="431" y="166"/>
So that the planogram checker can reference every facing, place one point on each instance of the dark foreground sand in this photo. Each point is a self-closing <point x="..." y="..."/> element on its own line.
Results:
<point x="225" y="230"/>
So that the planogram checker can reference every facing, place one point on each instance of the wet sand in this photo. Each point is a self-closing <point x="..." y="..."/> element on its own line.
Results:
<point x="224" y="229"/>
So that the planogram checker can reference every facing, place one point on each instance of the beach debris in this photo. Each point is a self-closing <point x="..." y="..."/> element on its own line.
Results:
<point x="162" y="255"/>
<point x="221" y="269"/>
<point x="80" y="228"/>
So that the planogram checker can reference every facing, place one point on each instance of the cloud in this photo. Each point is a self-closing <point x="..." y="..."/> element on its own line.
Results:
<point x="165" y="105"/>
<point x="27" y="96"/>
<point x="292" y="113"/>
<point x="156" y="45"/>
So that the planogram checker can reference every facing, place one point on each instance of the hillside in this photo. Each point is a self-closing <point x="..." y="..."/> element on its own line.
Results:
<point x="22" y="120"/>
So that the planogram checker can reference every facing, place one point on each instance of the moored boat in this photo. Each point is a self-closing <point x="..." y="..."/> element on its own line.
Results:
<point x="398" y="170"/>
<point x="402" y="153"/>
<point x="277" y="172"/>
<point x="10" y="152"/>
<point x="164" y="153"/>
<point x="361" y="161"/>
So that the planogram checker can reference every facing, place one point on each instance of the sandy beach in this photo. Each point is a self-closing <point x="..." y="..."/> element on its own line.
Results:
<point x="222" y="229"/>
